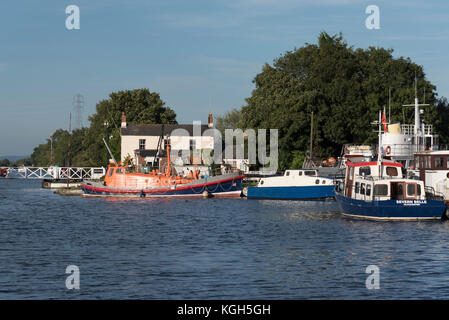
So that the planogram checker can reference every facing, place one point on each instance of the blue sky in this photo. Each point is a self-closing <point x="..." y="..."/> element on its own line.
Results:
<point x="201" y="56"/>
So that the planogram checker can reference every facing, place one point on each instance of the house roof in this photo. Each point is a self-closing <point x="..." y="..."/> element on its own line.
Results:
<point x="157" y="129"/>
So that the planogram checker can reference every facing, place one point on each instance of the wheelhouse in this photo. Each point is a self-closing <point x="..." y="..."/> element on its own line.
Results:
<point x="376" y="182"/>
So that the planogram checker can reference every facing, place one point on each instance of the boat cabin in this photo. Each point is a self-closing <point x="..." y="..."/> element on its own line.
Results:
<point x="296" y="177"/>
<point x="432" y="167"/>
<point x="385" y="181"/>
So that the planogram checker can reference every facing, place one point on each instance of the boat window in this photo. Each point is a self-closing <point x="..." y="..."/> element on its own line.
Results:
<point x="111" y="170"/>
<point x="357" y="187"/>
<point x="300" y="173"/>
<point x="365" y="171"/>
<point x="309" y="173"/>
<point x="392" y="171"/>
<point x="418" y="189"/>
<point x="417" y="162"/>
<point x="119" y="170"/>
<point x="439" y="162"/>
<point x="397" y="191"/>
<point x="380" y="190"/>
<point x="287" y="173"/>
<point x="317" y="181"/>
<point x="261" y="181"/>
<point x="447" y="162"/>
<point x="368" y="189"/>
<point x="324" y="182"/>
<point x="411" y="189"/>
<point x="362" y="188"/>
<point x="428" y="163"/>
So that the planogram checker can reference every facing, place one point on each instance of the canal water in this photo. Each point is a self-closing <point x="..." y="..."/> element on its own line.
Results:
<point x="209" y="249"/>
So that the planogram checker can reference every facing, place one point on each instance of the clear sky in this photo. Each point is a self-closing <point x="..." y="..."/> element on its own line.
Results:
<point x="201" y="56"/>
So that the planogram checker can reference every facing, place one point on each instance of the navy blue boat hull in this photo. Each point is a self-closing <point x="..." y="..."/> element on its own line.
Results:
<point x="391" y="209"/>
<point x="291" y="193"/>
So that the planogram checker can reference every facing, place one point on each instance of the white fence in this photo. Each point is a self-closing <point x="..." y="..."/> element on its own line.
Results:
<point x="55" y="173"/>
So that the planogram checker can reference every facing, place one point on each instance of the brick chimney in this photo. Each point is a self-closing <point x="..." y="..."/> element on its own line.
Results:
<point x="210" y="121"/>
<point x="123" y="120"/>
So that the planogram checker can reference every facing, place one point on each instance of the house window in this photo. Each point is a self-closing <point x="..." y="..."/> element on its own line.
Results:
<point x="167" y="143"/>
<point x="141" y="144"/>
<point x="192" y="144"/>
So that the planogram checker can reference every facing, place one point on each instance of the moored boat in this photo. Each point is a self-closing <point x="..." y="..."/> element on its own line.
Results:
<point x="300" y="184"/>
<point x="119" y="181"/>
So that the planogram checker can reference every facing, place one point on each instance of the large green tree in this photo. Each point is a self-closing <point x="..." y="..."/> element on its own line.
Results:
<point x="344" y="87"/>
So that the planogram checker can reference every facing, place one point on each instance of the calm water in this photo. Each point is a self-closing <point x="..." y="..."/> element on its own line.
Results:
<point x="209" y="249"/>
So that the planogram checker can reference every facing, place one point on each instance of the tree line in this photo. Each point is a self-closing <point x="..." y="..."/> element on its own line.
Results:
<point x="345" y="87"/>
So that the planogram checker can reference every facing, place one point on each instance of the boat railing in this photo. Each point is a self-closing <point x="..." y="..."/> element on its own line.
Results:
<point x="431" y="194"/>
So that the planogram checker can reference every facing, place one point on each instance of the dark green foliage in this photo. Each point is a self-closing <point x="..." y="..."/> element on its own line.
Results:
<point x="345" y="88"/>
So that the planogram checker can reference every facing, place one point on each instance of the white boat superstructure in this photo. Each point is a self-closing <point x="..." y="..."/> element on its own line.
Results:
<point x="401" y="141"/>
<point x="296" y="178"/>
<point x="432" y="167"/>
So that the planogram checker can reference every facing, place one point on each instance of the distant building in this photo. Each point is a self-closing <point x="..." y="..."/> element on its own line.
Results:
<point x="143" y="142"/>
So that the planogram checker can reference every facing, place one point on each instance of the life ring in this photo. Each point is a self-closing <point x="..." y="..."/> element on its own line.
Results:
<point x="388" y="150"/>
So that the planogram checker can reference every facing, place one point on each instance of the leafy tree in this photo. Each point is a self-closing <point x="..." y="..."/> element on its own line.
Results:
<point x="344" y="87"/>
<point x="230" y="120"/>
<point x="140" y="106"/>
<point x="5" y="163"/>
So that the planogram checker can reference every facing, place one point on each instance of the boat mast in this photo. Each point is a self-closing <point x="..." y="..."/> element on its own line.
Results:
<point x="379" y="153"/>
<point x="417" y="129"/>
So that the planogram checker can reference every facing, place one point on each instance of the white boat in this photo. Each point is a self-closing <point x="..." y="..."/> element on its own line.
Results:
<point x="295" y="184"/>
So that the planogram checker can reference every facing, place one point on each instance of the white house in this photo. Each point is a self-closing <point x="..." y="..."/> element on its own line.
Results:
<point x="142" y="142"/>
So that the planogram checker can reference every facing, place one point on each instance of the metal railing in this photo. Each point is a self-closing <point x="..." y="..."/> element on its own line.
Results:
<point x="55" y="173"/>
